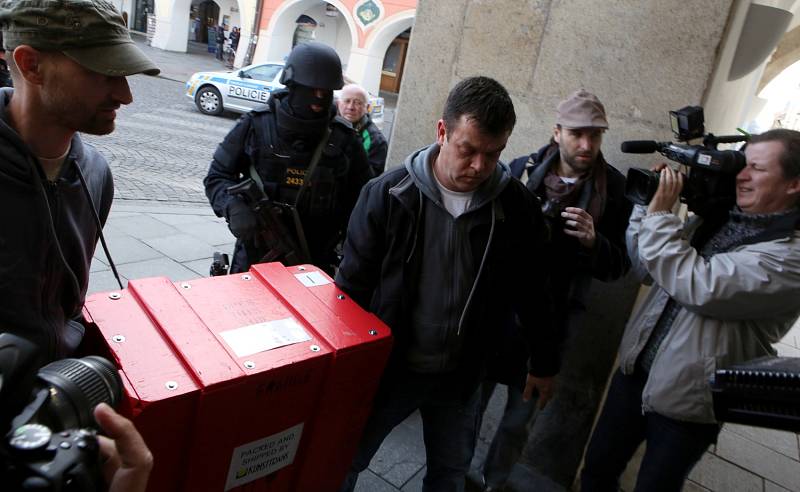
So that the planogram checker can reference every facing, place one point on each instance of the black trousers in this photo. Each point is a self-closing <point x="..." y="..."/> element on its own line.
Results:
<point x="673" y="446"/>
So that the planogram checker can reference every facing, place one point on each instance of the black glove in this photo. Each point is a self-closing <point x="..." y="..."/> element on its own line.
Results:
<point x="242" y="221"/>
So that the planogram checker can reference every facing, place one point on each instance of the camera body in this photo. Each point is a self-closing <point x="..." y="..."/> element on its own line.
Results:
<point x="47" y="419"/>
<point x="710" y="181"/>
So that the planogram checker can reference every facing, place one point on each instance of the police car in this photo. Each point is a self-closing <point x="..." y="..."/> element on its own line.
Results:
<point x="239" y="90"/>
<point x="247" y="88"/>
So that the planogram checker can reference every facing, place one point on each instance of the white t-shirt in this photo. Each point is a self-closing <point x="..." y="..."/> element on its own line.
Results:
<point x="455" y="202"/>
<point x="52" y="166"/>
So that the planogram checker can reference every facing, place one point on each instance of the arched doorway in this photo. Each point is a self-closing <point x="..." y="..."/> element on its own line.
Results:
<point x="332" y="28"/>
<point x="140" y="10"/>
<point x="394" y="61"/>
<point x="202" y="14"/>
<point x="385" y="47"/>
<point x="304" y="32"/>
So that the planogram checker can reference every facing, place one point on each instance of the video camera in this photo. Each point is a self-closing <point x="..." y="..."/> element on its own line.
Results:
<point x="46" y="418"/>
<point x="710" y="182"/>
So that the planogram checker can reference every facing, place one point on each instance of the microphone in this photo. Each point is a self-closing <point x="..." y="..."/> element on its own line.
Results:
<point x="640" y="146"/>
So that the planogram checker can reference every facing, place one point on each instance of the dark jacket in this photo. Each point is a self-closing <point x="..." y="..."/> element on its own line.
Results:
<point x="47" y="240"/>
<point x="577" y="265"/>
<point x="382" y="259"/>
<point x="5" y="74"/>
<point x="255" y="140"/>
<point x="374" y="143"/>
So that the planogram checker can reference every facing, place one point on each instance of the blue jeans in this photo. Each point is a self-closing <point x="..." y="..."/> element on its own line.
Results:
<point x="673" y="446"/>
<point x="511" y="436"/>
<point x="449" y="427"/>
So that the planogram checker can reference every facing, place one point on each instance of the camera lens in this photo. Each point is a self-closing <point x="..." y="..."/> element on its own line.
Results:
<point x="76" y="387"/>
<point x="641" y="185"/>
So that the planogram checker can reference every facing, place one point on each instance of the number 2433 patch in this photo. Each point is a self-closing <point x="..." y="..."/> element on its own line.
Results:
<point x="294" y="177"/>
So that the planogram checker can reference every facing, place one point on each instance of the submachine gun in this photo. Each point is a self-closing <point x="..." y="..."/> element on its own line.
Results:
<point x="272" y="215"/>
<point x="281" y="244"/>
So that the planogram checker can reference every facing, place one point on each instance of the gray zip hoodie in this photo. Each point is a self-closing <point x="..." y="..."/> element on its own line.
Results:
<point x="449" y="268"/>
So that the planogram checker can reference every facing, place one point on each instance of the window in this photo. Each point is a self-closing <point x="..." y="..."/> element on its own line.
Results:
<point x="266" y="73"/>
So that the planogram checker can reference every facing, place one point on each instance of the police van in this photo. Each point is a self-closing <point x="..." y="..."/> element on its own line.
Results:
<point x="247" y="88"/>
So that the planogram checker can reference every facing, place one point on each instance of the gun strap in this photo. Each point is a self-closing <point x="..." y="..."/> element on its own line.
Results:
<point x="301" y="235"/>
<point x="312" y="165"/>
<point x="255" y="177"/>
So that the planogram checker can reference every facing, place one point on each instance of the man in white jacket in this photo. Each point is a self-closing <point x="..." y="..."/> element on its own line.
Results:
<point x="723" y="294"/>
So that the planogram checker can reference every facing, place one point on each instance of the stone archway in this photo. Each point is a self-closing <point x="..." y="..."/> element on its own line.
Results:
<point x="785" y="55"/>
<point x="276" y="43"/>
<point x="365" y="65"/>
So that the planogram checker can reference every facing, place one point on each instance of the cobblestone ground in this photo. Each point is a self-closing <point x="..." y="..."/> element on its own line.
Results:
<point x="162" y="144"/>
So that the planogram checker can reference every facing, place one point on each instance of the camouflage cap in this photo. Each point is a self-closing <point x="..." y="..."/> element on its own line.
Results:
<point x="91" y="32"/>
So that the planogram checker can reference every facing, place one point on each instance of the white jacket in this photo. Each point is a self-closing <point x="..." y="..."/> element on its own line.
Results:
<point x="735" y="306"/>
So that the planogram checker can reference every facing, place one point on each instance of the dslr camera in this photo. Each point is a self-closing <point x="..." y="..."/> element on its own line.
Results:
<point x="46" y="418"/>
<point x="709" y="185"/>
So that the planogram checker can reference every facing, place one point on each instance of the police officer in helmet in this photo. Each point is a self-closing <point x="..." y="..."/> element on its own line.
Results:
<point x="301" y="154"/>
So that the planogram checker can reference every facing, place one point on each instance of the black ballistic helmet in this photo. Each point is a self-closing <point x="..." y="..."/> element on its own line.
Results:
<point x="313" y="65"/>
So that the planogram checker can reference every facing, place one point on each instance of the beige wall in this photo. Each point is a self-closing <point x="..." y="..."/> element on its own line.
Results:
<point x="642" y="58"/>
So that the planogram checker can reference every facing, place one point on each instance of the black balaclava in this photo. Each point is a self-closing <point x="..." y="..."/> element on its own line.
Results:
<point x="298" y="125"/>
<point x="302" y="97"/>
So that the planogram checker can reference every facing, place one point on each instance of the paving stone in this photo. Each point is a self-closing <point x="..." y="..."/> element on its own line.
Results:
<point x="126" y="249"/>
<point x="491" y="419"/>
<point x="787" y="350"/>
<point x="690" y="486"/>
<point x="98" y="265"/>
<point x="181" y="247"/>
<point x="760" y="460"/>
<point x="176" y="219"/>
<point x="200" y="267"/>
<point x="772" y="487"/>
<point x="104" y="282"/>
<point x="402" y="454"/>
<point x="143" y="226"/>
<point x="114" y="214"/>
<point x="369" y="482"/>
<point x="793" y="337"/>
<point x="783" y="442"/>
<point x="210" y="232"/>
<point x="714" y="473"/>
<point x="415" y="484"/>
<point x="160" y="267"/>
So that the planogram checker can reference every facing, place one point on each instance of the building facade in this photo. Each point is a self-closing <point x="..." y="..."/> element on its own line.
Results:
<point x="363" y="32"/>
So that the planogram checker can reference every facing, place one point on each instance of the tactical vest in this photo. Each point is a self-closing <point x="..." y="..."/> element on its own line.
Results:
<point x="282" y="169"/>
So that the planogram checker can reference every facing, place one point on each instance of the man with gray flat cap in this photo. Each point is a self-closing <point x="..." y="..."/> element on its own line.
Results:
<point x="583" y="200"/>
<point x="68" y="60"/>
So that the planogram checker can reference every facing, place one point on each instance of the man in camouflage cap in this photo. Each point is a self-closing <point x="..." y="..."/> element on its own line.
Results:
<point x="68" y="60"/>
